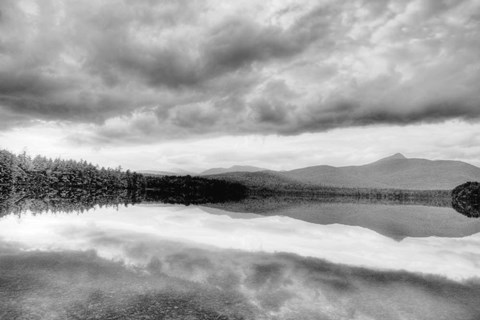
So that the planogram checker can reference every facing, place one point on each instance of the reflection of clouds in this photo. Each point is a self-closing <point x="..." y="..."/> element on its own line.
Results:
<point x="131" y="234"/>
<point x="279" y="286"/>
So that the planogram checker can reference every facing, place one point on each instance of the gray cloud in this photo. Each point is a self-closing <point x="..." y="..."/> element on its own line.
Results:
<point x="144" y="70"/>
<point x="253" y="285"/>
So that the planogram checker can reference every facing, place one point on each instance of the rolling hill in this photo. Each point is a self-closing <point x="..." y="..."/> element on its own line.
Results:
<point x="394" y="172"/>
<point x="232" y="169"/>
<point x="166" y="173"/>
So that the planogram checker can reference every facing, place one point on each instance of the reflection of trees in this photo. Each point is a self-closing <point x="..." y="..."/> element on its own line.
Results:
<point x="339" y="194"/>
<point x="63" y="200"/>
<point x="192" y="190"/>
<point x="273" y="202"/>
<point x="466" y="199"/>
<point x="270" y="187"/>
<point x="182" y="190"/>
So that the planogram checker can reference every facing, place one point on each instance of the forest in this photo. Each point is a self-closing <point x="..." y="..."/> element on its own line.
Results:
<point x="40" y="172"/>
<point x="41" y="182"/>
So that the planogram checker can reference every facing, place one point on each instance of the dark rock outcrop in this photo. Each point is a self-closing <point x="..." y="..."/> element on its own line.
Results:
<point x="466" y="199"/>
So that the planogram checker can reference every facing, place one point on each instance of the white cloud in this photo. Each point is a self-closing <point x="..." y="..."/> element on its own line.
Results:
<point x="453" y="140"/>
<point x="454" y="258"/>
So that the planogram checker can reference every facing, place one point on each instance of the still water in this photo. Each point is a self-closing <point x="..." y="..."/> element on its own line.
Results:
<point x="305" y="261"/>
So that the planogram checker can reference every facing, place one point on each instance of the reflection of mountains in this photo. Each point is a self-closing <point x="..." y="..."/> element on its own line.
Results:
<point x="265" y="204"/>
<point x="397" y="216"/>
<point x="78" y="199"/>
<point x="397" y="219"/>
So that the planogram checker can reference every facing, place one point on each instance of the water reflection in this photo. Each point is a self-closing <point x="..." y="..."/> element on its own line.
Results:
<point x="202" y="284"/>
<point x="114" y="233"/>
<point x="107" y="256"/>
<point x="18" y="201"/>
<point x="393" y="219"/>
<point x="188" y="263"/>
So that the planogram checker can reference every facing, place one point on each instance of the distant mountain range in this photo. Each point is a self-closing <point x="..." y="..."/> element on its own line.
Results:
<point x="232" y="169"/>
<point x="166" y="173"/>
<point x="394" y="172"/>
<point x="211" y="171"/>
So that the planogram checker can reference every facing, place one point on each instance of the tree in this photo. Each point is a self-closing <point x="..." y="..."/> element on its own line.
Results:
<point x="466" y="199"/>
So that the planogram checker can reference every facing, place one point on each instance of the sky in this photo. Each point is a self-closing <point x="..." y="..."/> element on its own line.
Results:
<point x="169" y="85"/>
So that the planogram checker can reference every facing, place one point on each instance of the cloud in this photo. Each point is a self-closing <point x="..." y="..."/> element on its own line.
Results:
<point x="203" y="68"/>
<point x="130" y="252"/>
<point x="196" y="228"/>
<point x="454" y="140"/>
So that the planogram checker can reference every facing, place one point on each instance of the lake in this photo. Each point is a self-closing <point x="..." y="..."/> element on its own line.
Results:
<point x="275" y="260"/>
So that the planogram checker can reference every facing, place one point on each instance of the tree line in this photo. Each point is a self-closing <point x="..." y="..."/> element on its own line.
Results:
<point x="71" y="181"/>
<point x="40" y="172"/>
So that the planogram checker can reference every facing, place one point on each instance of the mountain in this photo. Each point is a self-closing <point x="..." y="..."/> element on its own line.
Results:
<point x="232" y="169"/>
<point x="165" y="173"/>
<point x="395" y="171"/>
<point x="271" y="180"/>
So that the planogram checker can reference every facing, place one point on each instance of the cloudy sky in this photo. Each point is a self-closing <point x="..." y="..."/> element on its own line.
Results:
<point x="280" y="84"/>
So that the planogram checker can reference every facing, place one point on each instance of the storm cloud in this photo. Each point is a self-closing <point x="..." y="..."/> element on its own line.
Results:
<point x="145" y="70"/>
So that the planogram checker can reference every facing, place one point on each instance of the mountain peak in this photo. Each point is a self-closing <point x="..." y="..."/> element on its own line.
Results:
<point x="396" y="156"/>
